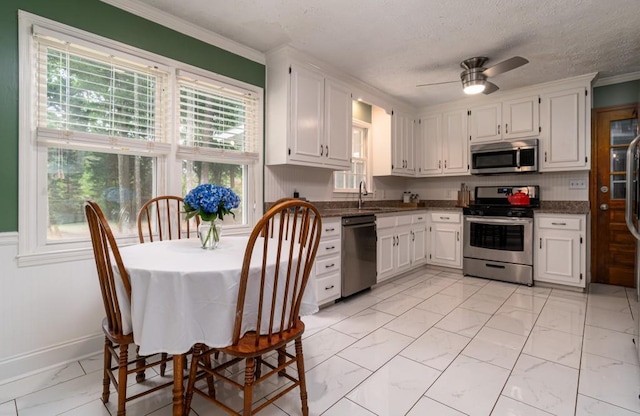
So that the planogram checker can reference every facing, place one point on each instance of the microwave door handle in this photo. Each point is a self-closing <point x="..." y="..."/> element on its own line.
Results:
<point x="631" y="164"/>
<point x="518" y="158"/>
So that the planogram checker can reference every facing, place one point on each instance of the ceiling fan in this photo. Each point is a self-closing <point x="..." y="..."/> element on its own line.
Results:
<point x="474" y="77"/>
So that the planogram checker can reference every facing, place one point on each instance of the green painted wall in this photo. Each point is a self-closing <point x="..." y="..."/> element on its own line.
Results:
<point x="361" y="111"/>
<point x="108" y="21"/>
<point x="617" y="94"/>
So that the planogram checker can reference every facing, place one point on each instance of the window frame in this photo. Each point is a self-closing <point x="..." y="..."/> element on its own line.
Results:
<point x="368" y="176"/>
<point x="33" y="248"/>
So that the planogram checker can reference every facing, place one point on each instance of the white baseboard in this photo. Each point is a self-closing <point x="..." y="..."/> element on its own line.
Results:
<point x="21" y="366"/>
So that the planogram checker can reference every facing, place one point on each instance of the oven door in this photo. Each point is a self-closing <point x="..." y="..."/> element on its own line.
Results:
<point x="502" y="239"/>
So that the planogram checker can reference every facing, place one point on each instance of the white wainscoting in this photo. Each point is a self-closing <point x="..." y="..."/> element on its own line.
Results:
<point x="49" y="314"/>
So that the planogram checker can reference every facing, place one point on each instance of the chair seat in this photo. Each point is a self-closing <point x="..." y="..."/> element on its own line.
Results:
<point x="246" y="346"/>
<point x="115" y="337"/>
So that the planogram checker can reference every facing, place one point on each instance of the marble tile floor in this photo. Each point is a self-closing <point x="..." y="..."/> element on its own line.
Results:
<point x="431" y="343"/>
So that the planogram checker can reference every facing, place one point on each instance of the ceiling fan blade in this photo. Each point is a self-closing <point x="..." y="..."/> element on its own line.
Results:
<point x="437" y="83"/>
<point x="504" y="66"/>
<point x="490" y="87"/>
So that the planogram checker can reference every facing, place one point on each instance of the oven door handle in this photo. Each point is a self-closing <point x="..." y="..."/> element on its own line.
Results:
<point x="488" y="220"/>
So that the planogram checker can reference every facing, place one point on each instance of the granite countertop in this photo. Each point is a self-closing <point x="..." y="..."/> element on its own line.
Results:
<point x="350" y="209"/>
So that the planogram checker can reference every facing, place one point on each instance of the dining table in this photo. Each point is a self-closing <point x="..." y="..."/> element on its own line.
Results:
<point x="182" y="294"/>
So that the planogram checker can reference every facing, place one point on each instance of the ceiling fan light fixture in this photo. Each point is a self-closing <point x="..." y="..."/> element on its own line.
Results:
<point x="474" y="87"/>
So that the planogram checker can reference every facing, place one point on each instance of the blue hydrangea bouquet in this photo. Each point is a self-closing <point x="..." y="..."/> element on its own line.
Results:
<point x="210" y="202"/>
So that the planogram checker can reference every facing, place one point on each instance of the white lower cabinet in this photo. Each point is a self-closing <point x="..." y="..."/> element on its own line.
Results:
<point x="560" y="249"/>
<point x="328" y="261"/>
<point x="401" y="243"/>
<point x="445" y="239"/>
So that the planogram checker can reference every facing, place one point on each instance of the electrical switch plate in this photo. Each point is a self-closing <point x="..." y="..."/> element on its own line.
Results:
<point x="577" y="184"/>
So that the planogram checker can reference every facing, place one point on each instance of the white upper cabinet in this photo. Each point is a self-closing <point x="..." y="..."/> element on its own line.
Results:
<point x="455" y="151"/>
<point x="505" y="120"/>
<point x="564" y="138"/>
<point x="442" y="144"/>
<point x="393" y="143"/>
<point x="308" y="116"/>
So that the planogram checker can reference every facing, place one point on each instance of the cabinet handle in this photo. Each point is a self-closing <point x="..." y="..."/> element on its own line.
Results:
<point x="439" y="164"/>
<point x="420" y="218"/>
<point x="330" y="248"/>
<point x="329" y="287"/>
<point x="558" y="223"/>
<point x="327" y="153"/>
<point x="329" y="265"/>
<point x="498" y="128"/>
<point x="413" y="236"/>
<point x="457" y="235"/>
<point x="506" y="128"/>
<point x="444" y="218"/>
<point x="541" y="243"/>
<point x="321" y="150"/>
<point x="445" y="164"/>
<point x="329" y="229"/>
<point x="545" y="156"/>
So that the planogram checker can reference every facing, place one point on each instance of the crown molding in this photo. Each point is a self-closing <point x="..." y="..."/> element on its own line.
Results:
<point x="632" y="76"/>
<point x="179" y="25"/>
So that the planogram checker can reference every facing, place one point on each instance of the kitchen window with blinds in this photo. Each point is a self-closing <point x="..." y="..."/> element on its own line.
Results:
<point x="105" y="121"/>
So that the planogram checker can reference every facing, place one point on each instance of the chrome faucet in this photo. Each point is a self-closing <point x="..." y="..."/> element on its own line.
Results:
<point x="362" y="184"/>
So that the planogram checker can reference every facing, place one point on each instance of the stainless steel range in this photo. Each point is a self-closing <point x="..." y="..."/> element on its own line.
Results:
<point x="498" y="233"/>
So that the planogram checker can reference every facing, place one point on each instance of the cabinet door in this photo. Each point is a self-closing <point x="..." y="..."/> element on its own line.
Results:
<point x="408" y="142"/>
<point x="485" y="123"/>
<point x="521" y="117"/>
<point x="386" y="248"/>
<point x="403" y="248"/>
<point x="397" y="133"/>
<point x="338" y="122"/>
<point x="418" y="245"/>
<point x="445" y="245"/>
<point x="430" y="145"/>
<point x="563" y="136"/>
<point x="559" y="257"/>
<point x="454" y="142"/>
<point x="307" y="121"/>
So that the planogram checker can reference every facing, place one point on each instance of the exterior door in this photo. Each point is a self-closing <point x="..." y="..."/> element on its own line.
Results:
<point x="613" y="246"/>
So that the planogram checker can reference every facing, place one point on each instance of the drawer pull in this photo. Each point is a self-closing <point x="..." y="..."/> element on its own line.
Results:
<point x="558" y="223"/>
<point x="330" y="248"/>
<point x="419" y="218"/>
<point x="329" y="287"/>
<point x="444" y="218"/>
<point x="329" y="229"/>
<point x="329" y="265"/>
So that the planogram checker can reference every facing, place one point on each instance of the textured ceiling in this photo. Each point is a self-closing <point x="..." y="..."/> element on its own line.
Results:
<point x="394" y="45"/>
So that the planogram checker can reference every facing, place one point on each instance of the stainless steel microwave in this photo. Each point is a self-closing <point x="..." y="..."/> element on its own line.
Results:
<point x="504" y="157"/>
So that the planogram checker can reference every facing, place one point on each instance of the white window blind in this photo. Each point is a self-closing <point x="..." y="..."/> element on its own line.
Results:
<point x="88" y="98"/>
<point x="216" y="120"/>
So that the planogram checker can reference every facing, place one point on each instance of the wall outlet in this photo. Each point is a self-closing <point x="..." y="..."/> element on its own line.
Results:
<point x="577" y="184"/>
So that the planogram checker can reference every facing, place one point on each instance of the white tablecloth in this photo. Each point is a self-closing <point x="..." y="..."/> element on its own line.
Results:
<point x="182" y="294"/>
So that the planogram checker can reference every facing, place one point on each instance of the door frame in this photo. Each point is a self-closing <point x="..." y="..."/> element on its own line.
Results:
<point x="593" y="182"/>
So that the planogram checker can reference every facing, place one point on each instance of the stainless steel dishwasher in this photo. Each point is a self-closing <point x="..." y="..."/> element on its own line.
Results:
<point x="358" y="253"/>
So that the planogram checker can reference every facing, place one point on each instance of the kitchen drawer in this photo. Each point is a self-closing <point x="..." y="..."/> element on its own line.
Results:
<point x="560" y="223"/>
<point x="331" y="229"/>
<point x="385" y="222"/>
<point x="326" y="248"/>
<point x="328" y="288"/>
<point x="328" y="265"/>
<point x="403" y="219"/>
<point x="419" y="218"/>
<point x="452" y="217"/>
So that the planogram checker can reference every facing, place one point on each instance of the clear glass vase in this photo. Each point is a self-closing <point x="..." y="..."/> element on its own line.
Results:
<point x="209" y="233"/>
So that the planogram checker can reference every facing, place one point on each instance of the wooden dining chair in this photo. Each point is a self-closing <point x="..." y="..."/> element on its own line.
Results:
<point x="268" y="304"/>
<point x="116" y="341"/>
<point x="162" y="218"/>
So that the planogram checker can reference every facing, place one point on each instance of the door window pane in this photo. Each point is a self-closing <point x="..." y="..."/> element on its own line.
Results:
<point x="618" y="187"/>
<point x="618" y="159"/>
<point x="623" y="131"/>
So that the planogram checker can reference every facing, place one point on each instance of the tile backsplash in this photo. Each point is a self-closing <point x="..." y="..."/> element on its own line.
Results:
<point x="316" y="184"/>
